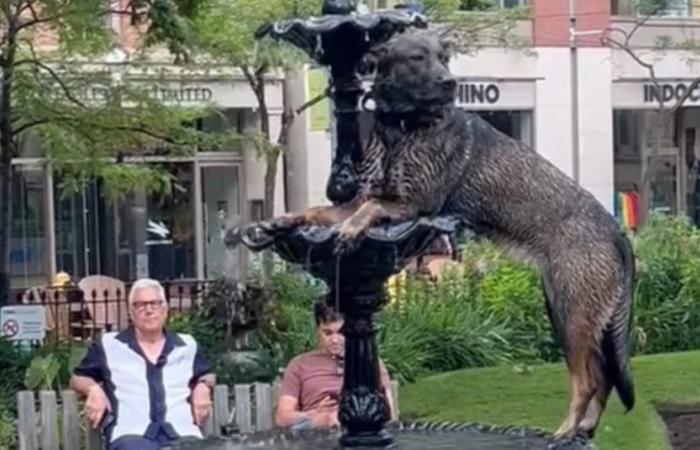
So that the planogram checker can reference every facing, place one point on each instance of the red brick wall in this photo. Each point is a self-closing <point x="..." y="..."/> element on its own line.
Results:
<point x="128" y="36"/>
<point x="551" y="26"/>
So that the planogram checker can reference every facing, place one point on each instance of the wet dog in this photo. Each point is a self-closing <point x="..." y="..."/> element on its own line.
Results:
<point x="425" y="157"/>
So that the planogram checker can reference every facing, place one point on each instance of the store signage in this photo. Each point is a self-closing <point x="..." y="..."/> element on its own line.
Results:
<point x="184" y="94"/>
<point x="478" y="93"/>
<point x="669" y="92"/>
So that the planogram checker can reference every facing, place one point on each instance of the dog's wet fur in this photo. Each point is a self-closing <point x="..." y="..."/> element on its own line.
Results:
<point x="425" y="156"/>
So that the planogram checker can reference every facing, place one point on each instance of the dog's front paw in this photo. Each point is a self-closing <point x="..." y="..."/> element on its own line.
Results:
<point x="349" y="237"/>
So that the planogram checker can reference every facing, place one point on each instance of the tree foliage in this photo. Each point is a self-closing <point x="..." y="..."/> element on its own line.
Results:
<point x="51" y="56"/>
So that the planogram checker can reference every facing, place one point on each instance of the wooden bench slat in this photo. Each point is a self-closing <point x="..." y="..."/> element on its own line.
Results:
<point x="263" y="407"/>
<point x="221" y="409"/>
<point x="50" y="439"/>
<point x="395" y="396"/>
<point x="208" y="428"/>
<point x="94" y="438"/>
<point x="71" y="420"/>
<point x="27" y="423"/>
<point x="243" y="413"/>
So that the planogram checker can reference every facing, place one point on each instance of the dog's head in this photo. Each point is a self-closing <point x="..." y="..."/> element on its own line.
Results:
<point x="412" y="75"/>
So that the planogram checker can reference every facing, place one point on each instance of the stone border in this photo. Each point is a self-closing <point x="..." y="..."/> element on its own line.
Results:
<point x="269" y="437"/>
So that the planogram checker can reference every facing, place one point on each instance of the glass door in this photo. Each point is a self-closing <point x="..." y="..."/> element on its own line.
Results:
<point x="664" y="191"/>
<point x="28" y="247"/>
<point x="221" y="211"/>
<point x="80" y="239"/>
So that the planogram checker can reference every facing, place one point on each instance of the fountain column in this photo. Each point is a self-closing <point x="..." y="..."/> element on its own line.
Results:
<point x="364" y="409"/>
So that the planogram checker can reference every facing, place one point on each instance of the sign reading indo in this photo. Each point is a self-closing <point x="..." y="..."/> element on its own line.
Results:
<point x="670" y="92"/>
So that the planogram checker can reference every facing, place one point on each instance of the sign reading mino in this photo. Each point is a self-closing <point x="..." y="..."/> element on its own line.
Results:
<point x="478" y="93"/>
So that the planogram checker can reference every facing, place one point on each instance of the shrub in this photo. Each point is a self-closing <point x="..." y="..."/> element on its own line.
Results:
<point x="285" y="327"/>
<point x="511" y="291"/>
<point x="52" y="365"/>
<point x="667" y="292"/>
<point x="8" y="429"/>
<point x="435" y="329"/>
<point x="13" y="365"/>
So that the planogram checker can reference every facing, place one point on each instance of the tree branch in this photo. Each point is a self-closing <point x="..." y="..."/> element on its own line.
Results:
<point x="311" y="102"/>
<point x="26" y="126"/>
<point x="249" y="76"/>
<point x="290" y="115"/>
<point x="35" y="61"/>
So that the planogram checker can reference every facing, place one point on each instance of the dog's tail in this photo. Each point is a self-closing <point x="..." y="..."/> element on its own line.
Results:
<point x="616" y="337"/>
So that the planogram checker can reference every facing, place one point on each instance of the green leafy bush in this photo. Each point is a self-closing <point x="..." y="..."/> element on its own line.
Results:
<point x="8" y="429"/>
<point x="435" y="329"/>
<point x="14" y="361"/>
<point x="52" y="365"/>
<point x="284" y="329"/>
<point x="667" y="292"/>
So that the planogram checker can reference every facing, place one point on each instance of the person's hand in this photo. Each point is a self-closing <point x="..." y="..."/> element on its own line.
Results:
<point x="325" y="415"/>
<point x="201" y="403"/>
<point x="96" y="405"/>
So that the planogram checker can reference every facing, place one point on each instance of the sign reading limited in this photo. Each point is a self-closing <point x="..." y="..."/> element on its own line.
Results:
<point x="186" y="94"/>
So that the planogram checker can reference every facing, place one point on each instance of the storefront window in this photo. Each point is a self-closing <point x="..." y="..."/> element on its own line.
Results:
<point x="137" y="236"/>
<point x="28" y="249"/>
<point x="516" y="124"/>
<point x="638" y="158"/>
<point x="156" y="231"/>
<point x="221" y="205"/>
<point x="661" y="8"/>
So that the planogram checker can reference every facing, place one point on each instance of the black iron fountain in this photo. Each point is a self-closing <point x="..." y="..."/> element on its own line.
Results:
<point x="339" y="39"/>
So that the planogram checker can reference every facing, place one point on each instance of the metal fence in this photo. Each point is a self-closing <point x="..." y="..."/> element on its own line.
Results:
<point x="86" y="312"/>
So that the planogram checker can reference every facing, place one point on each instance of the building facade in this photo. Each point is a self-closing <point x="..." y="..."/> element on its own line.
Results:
<point x="174" y="236"/>
<point x="589" y="108"/>
<point x="585" y="105"/>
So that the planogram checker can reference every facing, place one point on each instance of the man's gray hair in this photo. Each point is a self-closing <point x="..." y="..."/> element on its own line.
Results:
<point x="146" y="283"/>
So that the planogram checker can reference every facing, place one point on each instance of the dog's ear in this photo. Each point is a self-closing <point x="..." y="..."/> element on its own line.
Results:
<point x="447" y="45"/>
<point x="370" y="62"/>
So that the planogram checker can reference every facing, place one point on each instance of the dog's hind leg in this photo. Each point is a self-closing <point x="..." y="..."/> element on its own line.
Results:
<point x="578" y="336"/>
<point x="597" y="405"/>
<point x="581" y="360"/>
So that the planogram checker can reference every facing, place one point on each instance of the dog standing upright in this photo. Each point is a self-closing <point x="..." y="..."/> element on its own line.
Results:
<point x="426" y="156"/>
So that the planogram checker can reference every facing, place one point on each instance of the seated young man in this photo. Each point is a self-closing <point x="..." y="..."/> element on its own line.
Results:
<point x="312" y="382"/>
<point x="146" y="387"/>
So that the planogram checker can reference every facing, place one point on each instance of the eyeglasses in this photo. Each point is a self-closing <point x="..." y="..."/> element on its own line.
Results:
<point x="141" y="306"/>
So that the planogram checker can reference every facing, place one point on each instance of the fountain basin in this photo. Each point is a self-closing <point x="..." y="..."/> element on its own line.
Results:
<point x="383" y="251"/>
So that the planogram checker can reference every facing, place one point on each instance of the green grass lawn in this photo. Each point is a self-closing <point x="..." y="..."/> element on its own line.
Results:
<point x="502" y="396"/>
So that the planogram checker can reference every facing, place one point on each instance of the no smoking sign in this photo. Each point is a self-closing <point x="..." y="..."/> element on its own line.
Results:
<point x="10" y="328"/>
<point x="23" y="322"/>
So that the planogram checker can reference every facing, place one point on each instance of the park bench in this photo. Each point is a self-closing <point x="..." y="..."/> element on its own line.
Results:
<point x="58" y="424"/>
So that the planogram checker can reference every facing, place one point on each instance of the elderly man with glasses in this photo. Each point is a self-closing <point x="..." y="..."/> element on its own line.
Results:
<point x="145" y="386"/>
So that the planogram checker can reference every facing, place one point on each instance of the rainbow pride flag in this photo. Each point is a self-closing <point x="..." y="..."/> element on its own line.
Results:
<point x="627" y="209"/>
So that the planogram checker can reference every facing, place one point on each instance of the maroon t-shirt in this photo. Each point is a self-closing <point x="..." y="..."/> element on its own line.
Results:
<point x="312" y="376"/>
